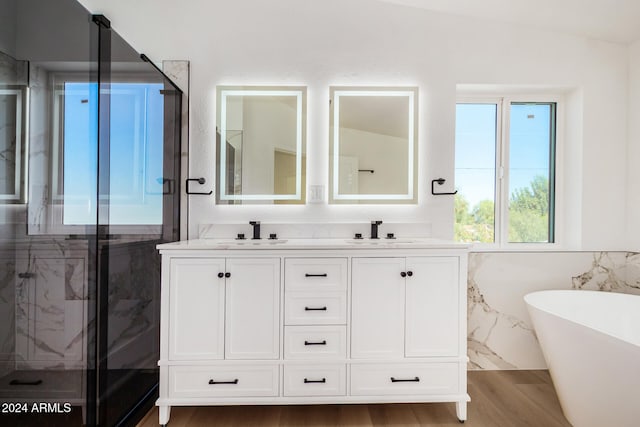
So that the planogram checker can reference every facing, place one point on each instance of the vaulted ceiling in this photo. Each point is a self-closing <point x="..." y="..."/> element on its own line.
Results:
<point x="611" y="20"/>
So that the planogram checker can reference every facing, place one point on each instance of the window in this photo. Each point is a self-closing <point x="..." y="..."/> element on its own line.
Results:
<point x="136" y="156"/>
<point x="505" y="171"/>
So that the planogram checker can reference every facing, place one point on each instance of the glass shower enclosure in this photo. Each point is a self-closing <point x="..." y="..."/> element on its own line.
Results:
<point x="89" y="185"/>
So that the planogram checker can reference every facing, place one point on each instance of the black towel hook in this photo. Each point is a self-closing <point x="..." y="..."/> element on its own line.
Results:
<point x="440" y="181"/>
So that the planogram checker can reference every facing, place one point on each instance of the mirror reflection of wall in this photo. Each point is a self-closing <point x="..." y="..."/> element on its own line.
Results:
<point x="261" y="145"/>
<point x="373" y="149"/>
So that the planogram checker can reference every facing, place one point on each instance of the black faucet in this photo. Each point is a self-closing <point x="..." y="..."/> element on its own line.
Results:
<point x="256" y="229"/>
<point x="374" y="228"/>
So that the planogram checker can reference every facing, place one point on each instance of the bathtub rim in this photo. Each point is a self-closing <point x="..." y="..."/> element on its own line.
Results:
<point x="613" y="295"/>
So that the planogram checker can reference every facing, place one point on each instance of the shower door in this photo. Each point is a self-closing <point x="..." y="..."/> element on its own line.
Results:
<point x="89" y="160"/>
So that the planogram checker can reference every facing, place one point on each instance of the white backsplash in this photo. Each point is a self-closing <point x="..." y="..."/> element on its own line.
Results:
<point x="313" y="230"/>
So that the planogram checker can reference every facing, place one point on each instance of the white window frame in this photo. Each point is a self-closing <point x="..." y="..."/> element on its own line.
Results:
<point x="53" y="222"/>
<point x="501" y="179"/>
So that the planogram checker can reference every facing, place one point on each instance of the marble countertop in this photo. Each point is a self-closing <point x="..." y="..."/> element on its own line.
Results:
<point x="335" y="243"/>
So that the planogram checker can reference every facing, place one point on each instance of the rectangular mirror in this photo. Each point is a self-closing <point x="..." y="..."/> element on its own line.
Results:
<point x="373" y="145"/>
<point x="261" y="145"/>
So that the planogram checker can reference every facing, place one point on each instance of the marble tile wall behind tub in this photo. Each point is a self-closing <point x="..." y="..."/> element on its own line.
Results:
<point x="500" y="335"/>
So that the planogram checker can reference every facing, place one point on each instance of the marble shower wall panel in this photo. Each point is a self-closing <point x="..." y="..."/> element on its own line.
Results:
<point x="39" y="151"/>
<point x="7" y="308"/>
<point x="500" y="335"/>
<point x="51" y="316"/>
<point x="134" y="297"/>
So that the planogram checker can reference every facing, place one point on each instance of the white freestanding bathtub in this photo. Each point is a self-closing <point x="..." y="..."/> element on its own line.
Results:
<point x="591" y="343"/>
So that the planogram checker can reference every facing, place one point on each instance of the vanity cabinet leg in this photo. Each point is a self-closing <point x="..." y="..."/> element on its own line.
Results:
<point x="461" y="411"/>
<point x="164" y="414"/>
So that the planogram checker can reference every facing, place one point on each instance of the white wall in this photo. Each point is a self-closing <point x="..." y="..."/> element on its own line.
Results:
<point x="8" y="27"/>
<point x="633" y="155"/>
<point x="363" y="42"/>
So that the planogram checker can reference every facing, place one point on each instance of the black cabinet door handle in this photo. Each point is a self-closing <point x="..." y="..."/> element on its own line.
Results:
<point x="315" y="308"/>
<point x="308" y="381"/>
<point x="26" y="275"/>
<point x="323" y="342"/>
<point x="403" y="274"/>
<point x="23" y="382"/>
<point x="213" y="382"/>
<point x="401" y="380"/>
<point x="227" y="275"/>
<point x="409" y="273"/>
<point x="315" y="275"/>
<point x="221" y="275"/>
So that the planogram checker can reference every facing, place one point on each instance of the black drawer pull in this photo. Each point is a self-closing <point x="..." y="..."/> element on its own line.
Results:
<point x="212" y="382"/>
<point x="21" y="382"/>
<point x="400" y="380"/>
<point x="315" y="308"/>
<point x="308" y="381"/>
<point x="221" y="275"/>
<point x="323" y="342"/>
<point x="403" y="274"/>
<point x="26" y="275"/>
<point x="227" y="275"/>
<point x="409" y="273"/>
<point x="315" y="275"/>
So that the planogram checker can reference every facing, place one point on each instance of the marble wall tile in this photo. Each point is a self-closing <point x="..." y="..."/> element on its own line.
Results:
<point x="611" y="271"/>
<point x="500" y="335"/>
<point x="39" y="156"/>
<point x="133" y="312"/>
<point x="7" y="308"/>
<point x="51" y="311"/>
<point x="133" y="334"/>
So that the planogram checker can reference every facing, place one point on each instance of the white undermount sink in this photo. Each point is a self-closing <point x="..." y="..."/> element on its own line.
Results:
<point x="251" y="242"/>
<point x="381" y="241"/>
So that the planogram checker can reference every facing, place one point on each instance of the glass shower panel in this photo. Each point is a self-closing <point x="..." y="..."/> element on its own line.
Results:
<point x="89" y="156"/>
<point x="137" y="201"/>
<point x="45" y="267"/>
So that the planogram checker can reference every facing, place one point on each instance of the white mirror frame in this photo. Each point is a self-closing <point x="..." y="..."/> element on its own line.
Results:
<point x="299" y="94"/>
<point x="412" y="97"/>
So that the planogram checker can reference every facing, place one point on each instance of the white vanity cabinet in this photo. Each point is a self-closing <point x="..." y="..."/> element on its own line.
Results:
<point x="312" y="322"/>
<point x="224" y="308"/>
<point x="404" y="307"/>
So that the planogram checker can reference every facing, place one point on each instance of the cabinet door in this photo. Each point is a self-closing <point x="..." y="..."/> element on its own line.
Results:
<point x="432" y="309"/>
<point x="196" y="306"/>
<point x="253" y="308"/>
<point x="377" y="317"/>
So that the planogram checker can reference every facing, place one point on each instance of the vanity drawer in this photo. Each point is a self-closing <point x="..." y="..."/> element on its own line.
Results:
<point x="315" y="274"/>
<point x="400" y="379"/>
<point x="223" y="381"/>
<point x="315" y="342"/>
<point x="311" y="308"/>
<point x="314" y="380"/>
